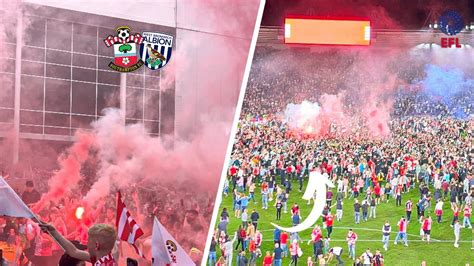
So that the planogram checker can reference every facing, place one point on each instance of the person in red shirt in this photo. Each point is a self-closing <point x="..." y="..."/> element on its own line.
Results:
<point x="377" y="193"/>
<point x="455" y="214"/>
<point x="426" y="229"/>
<point x="329" y="223"/>
<point x="355" y="192"/>
<point x="467" y="217"/>
<point x="284" y="243"/>
<point x="268" y="259"/>
<point x="233" y="170"/>
<point x="253" y="252"/>
<point x="295" y="209"/>
<point x="101" y="241"/>
<point x="289" y="170"/>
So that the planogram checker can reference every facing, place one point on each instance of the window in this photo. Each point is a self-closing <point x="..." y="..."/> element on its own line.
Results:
<point x="57" y="95"/>
<point x="56" y="120"/>
<point x="107" y="96"/>
<point x="134" y="107"/>
<point x="57" y="131"/>
<point x="167" y="109"/>
<point x="8" y="50"/>
<point x="112" y="78"/>
<point x="84" y="60"/>
<point x="152" y="83"/>
<point x="33" y="54"/>
<point x="34" y="22"/>
<point x="31" y="129"/>
<point x="8" y="25"/>
<point x="32" y="68"/>
<point x="85" y="39"/>
<point x="34" y="37"/>
<point x="81" y="121"/>
<point x="152" y="73"/>
<point x="104" y="62"/>
<point x="31" y="96"/>
<point x="7" y="91"/>
<point x="130" y="121"/>
<point x="152" y="127"/>
<point x="58" y="57"/>
<point x="8" y="65"/>
<point x="61" y="72"/>
<point x="135" y="80"/>
<point x="83" y="98"/>
<point x="6" y="116"/>
<point x="31" y="117"/>
<point x="152" y="104"/>
<point x="59" y="35"/>
<point x="84" y="74"/>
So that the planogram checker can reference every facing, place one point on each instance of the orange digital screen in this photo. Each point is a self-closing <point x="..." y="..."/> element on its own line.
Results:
<point x="327" y="31"/>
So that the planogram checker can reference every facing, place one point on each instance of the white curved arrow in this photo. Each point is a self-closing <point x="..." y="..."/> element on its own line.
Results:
<point x="317" y="182"/>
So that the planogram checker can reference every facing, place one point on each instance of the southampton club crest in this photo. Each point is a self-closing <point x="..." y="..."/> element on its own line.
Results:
<point x="125" y="50"/>
<point x="156" y="49"/>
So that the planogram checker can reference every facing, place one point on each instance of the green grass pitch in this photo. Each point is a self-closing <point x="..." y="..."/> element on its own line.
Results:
<point x="436" y="253"/>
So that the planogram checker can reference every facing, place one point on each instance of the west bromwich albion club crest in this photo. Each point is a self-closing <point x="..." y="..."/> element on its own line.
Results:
<point x="156" y="49"/>
<point x="125" y="50"/>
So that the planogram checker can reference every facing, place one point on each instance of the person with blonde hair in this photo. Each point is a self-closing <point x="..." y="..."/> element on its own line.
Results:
<point x="268" y="259"/>
<point x="100" y="243"/>
<point x="294" y="250"/>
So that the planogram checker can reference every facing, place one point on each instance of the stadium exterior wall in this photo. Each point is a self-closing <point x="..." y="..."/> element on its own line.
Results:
<point x="56" y="54"/>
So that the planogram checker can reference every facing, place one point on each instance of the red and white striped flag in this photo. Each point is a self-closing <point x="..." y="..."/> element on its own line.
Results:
<point x="127" y="229"/>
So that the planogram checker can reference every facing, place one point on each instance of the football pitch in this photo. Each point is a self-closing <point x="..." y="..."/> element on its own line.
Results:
<point x="440" y="251"/>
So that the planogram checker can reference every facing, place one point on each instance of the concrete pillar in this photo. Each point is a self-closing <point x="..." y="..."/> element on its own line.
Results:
<point x="123" y="96"/>
<point x="16" y="116"/>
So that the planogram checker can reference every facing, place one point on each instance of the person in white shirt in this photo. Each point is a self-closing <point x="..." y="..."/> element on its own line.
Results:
<point x="227" y="247"/>
<point x="367" y="257"/>
<point x="335" y="251"/>
<point x="386" y="229"/>
<point x="457" y="233"/>
<point x="340" y="185"/>
<point x="437" y="184"/>
<point x="466" y="185"/>
<point x="439" y="210"/>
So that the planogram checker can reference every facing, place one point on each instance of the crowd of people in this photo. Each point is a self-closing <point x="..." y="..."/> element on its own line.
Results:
<point x="425" y="154"/>
<point x="429" y="150"/>
<point x="272" y="86"/>
<point x="178" y="211"/>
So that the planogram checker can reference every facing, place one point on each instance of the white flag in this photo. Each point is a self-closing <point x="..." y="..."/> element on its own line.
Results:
<point x="10" y="204"/>
<point x="165" y="250"/>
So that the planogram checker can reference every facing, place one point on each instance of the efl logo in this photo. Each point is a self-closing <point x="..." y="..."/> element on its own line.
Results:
<point x="450" y="23"/>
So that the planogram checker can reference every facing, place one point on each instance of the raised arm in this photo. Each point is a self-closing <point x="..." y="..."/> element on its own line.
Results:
<point x="70" y="249"/>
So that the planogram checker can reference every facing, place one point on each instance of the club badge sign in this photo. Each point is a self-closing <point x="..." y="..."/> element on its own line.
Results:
<point x="125" y="50"/>
<point x="156" y="49"/>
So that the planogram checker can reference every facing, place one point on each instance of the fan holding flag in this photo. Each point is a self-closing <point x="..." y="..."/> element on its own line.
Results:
<point x="101" y="241"/>
<point x="102" y="238"/>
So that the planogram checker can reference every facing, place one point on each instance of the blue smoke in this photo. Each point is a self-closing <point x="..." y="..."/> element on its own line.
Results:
<point x="449" y="86"/>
